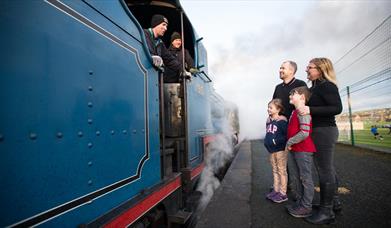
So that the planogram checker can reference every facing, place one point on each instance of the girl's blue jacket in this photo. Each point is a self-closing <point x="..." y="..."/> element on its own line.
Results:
<point x="276" y="132"/>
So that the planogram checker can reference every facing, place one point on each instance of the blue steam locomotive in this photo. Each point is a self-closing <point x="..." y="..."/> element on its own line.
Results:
<point x="90" y="135"/>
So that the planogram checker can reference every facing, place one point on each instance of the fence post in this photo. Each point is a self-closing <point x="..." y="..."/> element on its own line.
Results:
<point x="350" y="117"/>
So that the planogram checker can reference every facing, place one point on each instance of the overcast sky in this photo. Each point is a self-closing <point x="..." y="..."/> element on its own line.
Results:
<point x="248" y="40"/>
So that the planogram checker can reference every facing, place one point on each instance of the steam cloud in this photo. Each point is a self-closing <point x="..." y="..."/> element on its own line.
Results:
<point x="247" y="72"/>
<point x="219" y="153"/>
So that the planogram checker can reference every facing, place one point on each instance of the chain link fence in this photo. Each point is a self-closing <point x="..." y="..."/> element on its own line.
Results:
<point x="364" y="73"/>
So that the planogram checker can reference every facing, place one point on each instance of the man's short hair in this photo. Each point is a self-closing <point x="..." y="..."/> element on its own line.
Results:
<point x="293" y="65"/>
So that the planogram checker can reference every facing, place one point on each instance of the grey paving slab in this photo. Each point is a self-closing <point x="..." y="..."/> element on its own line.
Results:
<point x="230" y="205"/>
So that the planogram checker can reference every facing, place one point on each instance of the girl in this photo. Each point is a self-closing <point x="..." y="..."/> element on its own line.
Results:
<point x="275" y="140"/>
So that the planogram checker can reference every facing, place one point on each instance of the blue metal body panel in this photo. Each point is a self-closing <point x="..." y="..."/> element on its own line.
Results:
<point x="80" y="110"/>
<point x="110" y="10"/>
<point x="219" y="118"/>
<point x="198" y="97"/>
<point x="199" y="92"/>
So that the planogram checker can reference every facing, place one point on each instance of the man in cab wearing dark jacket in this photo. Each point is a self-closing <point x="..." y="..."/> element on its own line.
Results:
<point x="160" y="55"/>
<point x="176" y="50"/>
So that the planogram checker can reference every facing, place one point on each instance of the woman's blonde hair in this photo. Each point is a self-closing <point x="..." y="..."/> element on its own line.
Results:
<point x="325" y="66"/>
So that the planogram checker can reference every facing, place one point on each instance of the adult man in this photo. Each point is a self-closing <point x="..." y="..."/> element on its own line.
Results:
<point x="176" y="50"/>
<point x="287" y="75"/>
<point x="160" y="55"/>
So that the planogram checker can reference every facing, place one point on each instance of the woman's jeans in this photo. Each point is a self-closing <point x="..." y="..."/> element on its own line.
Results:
<point x="324" y="139"/>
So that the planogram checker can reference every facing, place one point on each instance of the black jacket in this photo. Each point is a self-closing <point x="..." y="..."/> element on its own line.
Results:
<point x="324" y="103"/>
<point x="177" y="52"/>
<point x="282" y="92"/>
<point x="170" y="75"/>
<point x="157" y="47"/>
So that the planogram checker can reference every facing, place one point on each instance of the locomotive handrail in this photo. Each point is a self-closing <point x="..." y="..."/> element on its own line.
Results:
<point x="162" y="125"/>
<point x="184" y="87"/>
<point x="203" y="72"/>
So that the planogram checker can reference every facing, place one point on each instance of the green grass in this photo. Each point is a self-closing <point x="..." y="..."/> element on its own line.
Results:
<point x="365" y="137"/>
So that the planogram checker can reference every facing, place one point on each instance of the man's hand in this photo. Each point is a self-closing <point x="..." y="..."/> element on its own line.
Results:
<point x="186" y="74"/>
<point x="157" y="61"/>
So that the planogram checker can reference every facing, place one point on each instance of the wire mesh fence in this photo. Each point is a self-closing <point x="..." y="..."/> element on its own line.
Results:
<point x="364" y="73"/>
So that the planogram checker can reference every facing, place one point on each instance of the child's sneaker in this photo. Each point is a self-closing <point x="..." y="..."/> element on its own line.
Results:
<point x="279" y="198"/>
<point x="271" y="194"/>
<point x="292" y="205"/>
<point x="300" y="211"/>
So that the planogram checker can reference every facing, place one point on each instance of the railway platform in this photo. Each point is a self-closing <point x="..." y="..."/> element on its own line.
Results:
<point x="365" y="185"/>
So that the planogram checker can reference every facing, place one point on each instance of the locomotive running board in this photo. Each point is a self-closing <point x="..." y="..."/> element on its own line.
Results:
<point x="132" y="210"/>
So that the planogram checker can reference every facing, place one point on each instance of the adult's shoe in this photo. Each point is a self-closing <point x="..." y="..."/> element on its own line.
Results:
<point x="324" y="215"/>
<point x="337" y="206"/>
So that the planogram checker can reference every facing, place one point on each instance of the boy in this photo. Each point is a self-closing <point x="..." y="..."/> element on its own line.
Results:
<point x="376" y="133"/>
<point x="302" y="148"/>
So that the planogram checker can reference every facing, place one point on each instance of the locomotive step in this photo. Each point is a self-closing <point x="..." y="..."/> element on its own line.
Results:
<point x="180" y="217"/>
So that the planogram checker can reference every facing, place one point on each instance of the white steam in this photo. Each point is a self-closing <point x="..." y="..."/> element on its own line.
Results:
<point x="246" y="56"/>
<point x="219" y="153"/>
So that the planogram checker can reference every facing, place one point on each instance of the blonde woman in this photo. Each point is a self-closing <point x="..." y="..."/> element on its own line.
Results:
<point x="323" y="105"/>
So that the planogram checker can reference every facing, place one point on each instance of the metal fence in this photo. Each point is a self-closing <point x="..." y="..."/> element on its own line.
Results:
<point x="364" y="73"/>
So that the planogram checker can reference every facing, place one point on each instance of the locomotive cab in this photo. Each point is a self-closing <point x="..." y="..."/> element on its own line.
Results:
<point x="173" y="114"/>
<point x="144" y="10"/>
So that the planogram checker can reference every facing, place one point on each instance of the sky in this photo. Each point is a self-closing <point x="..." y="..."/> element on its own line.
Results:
<point x="248" y="40"/>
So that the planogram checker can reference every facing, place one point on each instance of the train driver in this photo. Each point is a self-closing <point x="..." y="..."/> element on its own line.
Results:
<point x="160" y="55"/>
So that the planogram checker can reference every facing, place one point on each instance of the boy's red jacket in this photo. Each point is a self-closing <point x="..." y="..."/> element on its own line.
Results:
<point x="307" y="145"/>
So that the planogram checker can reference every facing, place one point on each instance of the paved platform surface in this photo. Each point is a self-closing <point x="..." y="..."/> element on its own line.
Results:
<point x="364" y="175"/>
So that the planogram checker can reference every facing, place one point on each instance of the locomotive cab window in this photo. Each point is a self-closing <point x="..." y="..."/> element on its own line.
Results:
<point x="143" y="10"/>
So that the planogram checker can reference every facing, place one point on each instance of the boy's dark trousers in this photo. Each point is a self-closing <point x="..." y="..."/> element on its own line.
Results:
<point x="302" y="166"/>
<point x="292" y="180"/>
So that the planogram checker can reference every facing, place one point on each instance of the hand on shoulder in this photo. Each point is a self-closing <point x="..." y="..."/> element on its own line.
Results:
<point x="305" y="110"/>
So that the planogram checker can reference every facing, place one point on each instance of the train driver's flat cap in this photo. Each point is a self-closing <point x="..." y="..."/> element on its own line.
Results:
<point x="157" y="19"/>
